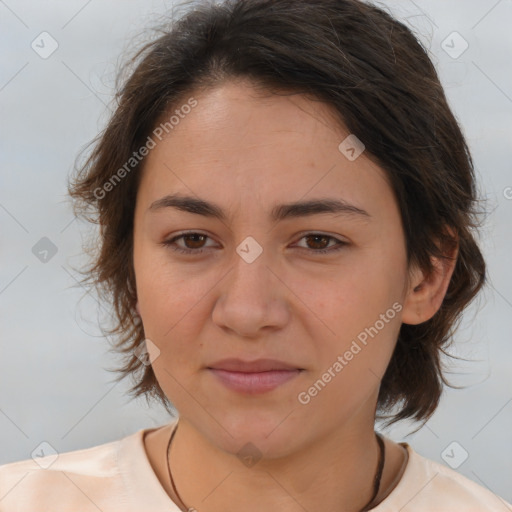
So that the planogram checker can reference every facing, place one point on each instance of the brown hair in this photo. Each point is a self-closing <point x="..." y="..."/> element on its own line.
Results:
<point x="380" y="82"/>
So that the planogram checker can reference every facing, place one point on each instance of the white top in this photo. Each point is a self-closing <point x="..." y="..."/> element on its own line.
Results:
<point x="117" y="476"/>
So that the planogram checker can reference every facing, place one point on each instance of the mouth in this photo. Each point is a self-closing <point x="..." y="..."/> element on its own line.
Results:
<point x="253" y="377"/>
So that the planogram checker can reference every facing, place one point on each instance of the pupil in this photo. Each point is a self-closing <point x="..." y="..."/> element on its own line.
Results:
<point x="316" y="237"/>
<point x="196" y="237"/>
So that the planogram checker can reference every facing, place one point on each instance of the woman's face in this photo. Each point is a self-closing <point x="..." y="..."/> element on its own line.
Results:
<point x="257" y="285"/>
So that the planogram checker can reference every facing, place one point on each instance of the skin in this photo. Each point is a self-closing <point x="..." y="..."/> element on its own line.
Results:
<point x="247" y="153"/>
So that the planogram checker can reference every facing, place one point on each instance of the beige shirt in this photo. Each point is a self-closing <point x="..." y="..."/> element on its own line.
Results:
<point x="118" y="476"/>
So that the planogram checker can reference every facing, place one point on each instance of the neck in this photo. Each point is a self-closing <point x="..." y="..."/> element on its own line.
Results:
<point x="336" y="472"/>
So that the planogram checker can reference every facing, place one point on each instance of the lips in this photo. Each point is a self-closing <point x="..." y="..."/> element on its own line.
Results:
<point x="253" y="377"/>
<point x="259" y="365"/>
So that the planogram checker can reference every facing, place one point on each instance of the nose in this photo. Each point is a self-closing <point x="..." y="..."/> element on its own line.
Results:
<point x="252" y="299"/>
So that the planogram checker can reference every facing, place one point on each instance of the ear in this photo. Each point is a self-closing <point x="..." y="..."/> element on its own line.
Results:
<point x="426" y="292"/>
<point x="137" y="308"/>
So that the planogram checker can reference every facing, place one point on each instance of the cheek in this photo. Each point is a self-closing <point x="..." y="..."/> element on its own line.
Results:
<point x="170" y="321"/>
<point x="349" y="370"/>
<point x="353" y="315"/>
<point x="168" y="305"/>
<point x="164" y="294"/>
<point x="170" y="311"/>
<point x="346" y="300"/>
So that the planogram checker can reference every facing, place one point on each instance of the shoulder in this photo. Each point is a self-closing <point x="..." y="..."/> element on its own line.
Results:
<point x="79" y="478"/>
<point x="427" y="485"/>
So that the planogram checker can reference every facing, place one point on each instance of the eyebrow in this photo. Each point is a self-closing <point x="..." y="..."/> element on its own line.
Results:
<point x="279" y="212"/>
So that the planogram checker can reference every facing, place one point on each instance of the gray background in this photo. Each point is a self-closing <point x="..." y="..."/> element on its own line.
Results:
<point x="53" y="382"/>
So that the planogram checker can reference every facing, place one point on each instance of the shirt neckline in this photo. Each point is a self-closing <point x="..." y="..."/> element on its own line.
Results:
<point x="144" y="490"/>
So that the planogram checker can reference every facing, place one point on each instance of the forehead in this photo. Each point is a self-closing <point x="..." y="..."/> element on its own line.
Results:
<point x="239" y="146"/>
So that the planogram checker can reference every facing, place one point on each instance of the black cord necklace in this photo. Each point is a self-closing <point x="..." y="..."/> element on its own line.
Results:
<point x="376" y="481"/>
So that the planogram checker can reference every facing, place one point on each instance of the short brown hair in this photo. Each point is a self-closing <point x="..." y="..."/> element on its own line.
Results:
<point x="380" y="82"/>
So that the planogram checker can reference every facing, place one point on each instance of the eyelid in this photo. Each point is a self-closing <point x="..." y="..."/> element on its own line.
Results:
<point x="171" y="243"/>
<point x="338" y="238"/>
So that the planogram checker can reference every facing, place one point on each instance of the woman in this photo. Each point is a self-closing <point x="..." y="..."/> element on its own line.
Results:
<point x="286" y="204"/>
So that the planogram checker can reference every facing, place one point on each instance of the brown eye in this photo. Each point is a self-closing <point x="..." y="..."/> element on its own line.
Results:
<point x="319" y="243"/>
<point x="196" y="240"/>
<point x="194" y="243"/>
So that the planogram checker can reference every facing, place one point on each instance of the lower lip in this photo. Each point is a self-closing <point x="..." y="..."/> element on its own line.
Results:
<point x="254" y="383"/>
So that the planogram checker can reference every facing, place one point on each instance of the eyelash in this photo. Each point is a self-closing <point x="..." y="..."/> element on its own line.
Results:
<point x="172" y="245"/>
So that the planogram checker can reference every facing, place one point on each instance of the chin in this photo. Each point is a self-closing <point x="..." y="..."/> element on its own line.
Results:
<point x="270" y="434"/>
